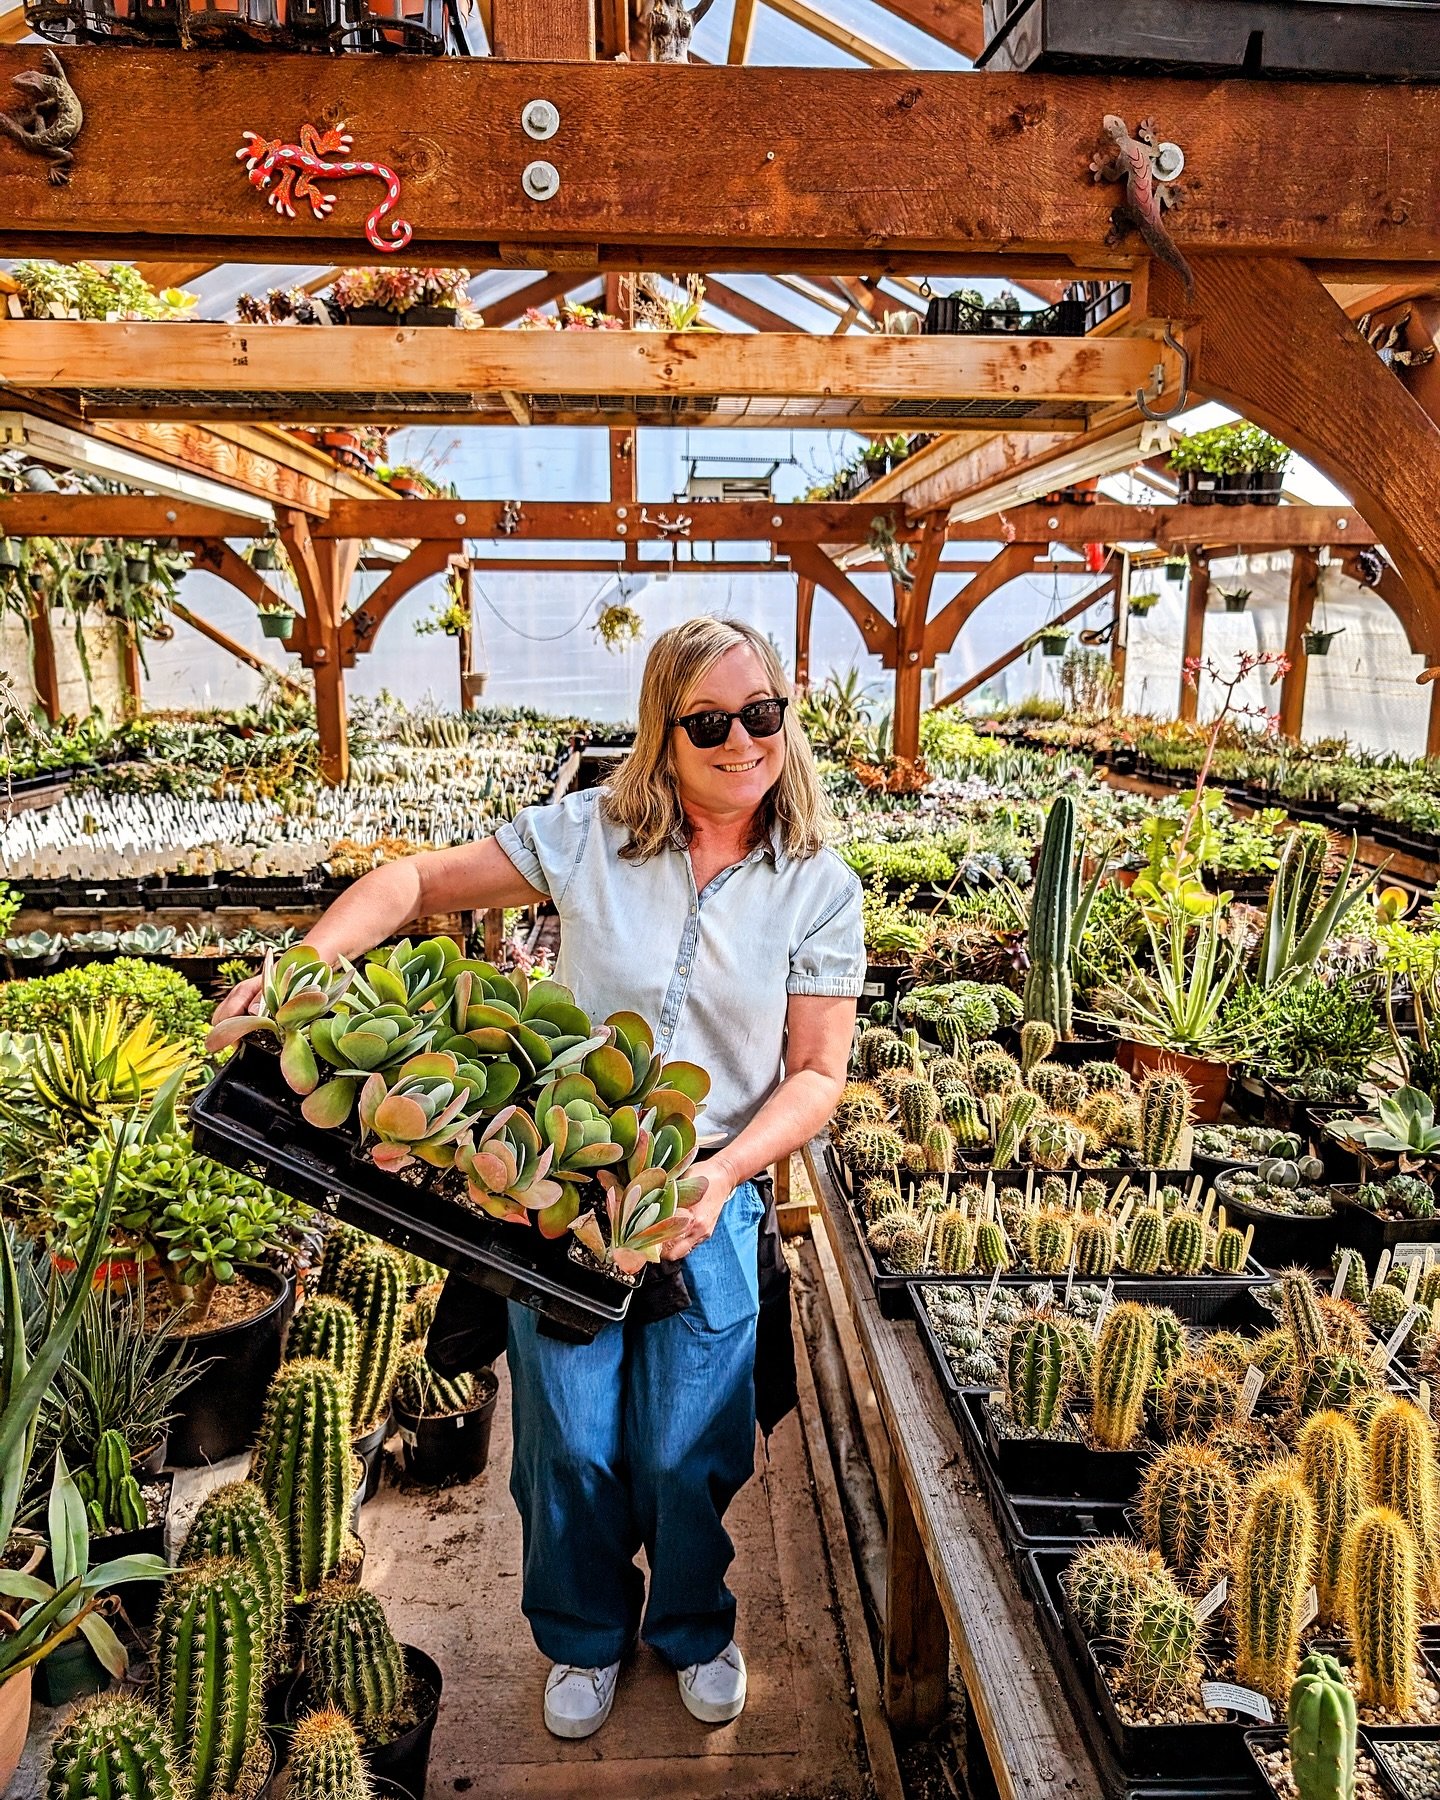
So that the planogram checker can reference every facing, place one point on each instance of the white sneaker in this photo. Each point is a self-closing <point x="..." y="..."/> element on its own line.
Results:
<point x="578" y="1701"/>
<point x="714" y="1691"/>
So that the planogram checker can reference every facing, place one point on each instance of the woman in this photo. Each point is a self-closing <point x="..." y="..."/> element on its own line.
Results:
<point x="693" y="889"/>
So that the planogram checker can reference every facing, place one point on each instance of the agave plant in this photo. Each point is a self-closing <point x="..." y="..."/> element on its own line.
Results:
<point x="508" y="1175"/>
<point x="1404" y="1126"/>
<point x="93" y="1067"/>
<point x="297" y="989"/>
<point x="643" y="1216"/>
<point x="424" y="1112"/>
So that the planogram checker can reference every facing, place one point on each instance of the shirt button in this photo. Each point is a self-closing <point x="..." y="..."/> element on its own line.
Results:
<point x="683" y="969"/>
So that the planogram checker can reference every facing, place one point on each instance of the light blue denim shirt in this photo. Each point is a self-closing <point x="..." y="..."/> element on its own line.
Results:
<point x="712" y="971"/>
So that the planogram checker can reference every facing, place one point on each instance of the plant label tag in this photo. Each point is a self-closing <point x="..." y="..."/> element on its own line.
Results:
<point x="1398" y="1336"/>
<point x="1045" y="1296"/>
<point x="1070" y="1278"/>
<point x="1228" y="1697"/>
<point x="1107" y="1300"/>
<point x="1250" y="1390"/>
<point x="873" y="990"/>
<point x="1309" y="1606"/>
<point x="1214" y="1600"/>
<point x="1342" y="1273"/>
<point x="408" y="1437"/>
<point x="988" y="1299"/>
<point x="1382" y="1268"/>
<point x="1412" y="1283"/>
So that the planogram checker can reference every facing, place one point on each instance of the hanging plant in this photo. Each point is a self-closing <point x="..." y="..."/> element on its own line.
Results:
<point x="1175" y="568"/>
<point x="1053" y="641"/>
<point x="1317" y="643"/>
<point x="1236" y="599"/>
<point x="452" y="618"/>
<point x="1140" y="604"/>
<point x="618" y="625"/>
<point x="277" y="622"/>
<point x="9" y="553"/>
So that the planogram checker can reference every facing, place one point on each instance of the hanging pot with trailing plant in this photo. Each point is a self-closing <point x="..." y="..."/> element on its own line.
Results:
<point x="1317" y="643"/>
<point x="1236" y="599"/>
<point x="1175" y="567"/>
<point x="1140" y="604"/>
<point x="1053" y="643"/>
<point x="137" y="568"/>
<point x="277" y="622"/>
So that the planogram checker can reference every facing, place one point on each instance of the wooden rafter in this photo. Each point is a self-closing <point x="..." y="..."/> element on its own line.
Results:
<point x="811" y="562"/>
<point x="742" y="32"/>
<point x="853" y="43"/>
<point x="941" y="631"/>
<point x="958" y="23"/>
<point x="758" y="185"/>
<point x="223" y="641"/>
<point x="535" y="293"/>
<point x="430" y="558"/>
<point x="742" y="307"/>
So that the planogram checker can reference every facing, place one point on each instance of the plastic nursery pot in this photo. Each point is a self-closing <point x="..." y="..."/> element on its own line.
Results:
<point x="1282" y="1238"/>
<point x="1054" y="643"/>
<point x="1209" y="1081"/>
<point x="403" y="1762"/>
<point x="1263" y="1745"/>
<point x="456" y="1448"/>
<point x="277" y="625"/>
<point x="368" y="1447"/>
<point x="219" y="1415"/>
<point x="1317" y="643"/>
<point x="1370" y="1233"/>
<point x="138" y="1599"/>
<point x="1027" y="1464"/>
<point x="70" y="1672"/>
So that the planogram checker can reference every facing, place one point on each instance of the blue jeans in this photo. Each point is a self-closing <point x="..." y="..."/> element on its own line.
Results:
<point x="623" y="1443"/>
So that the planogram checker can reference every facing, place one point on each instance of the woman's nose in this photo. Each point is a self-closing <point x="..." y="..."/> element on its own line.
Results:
<point x="738" y="737"/>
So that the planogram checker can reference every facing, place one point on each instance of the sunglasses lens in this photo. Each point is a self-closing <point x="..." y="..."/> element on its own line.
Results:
<point x="763" y="718"/>
<point x="708" y="730"/>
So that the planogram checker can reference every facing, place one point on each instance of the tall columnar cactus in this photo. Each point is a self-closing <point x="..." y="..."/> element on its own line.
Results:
<point x="1332" y="1466"/>
<point x="918" y="1107"/>
<point x="1321" y="1717"/>
<point x="423" y="1393"/>
<point x="1402" y="1476"/>
<point x="235" y="1521"/>
<point x="302" y="1466"/>
<point x="1047" y="994"/>
<point x="1171" y="1344"/>
<point x="326" y="1327"/>
<point x="1185" y="1243"/>
<point x="114" y="1747"/>
<point x="1195" y="1398"/>
<point x="1273" y="1562"/>
<point x="1122" y="1371"/>
<point x="325" y="1759"/>
<point x="1037" y="1373"/>
<point x="1382" y="1604"/>
<point x="372" y="1283"/>
<point x="1050" y="1243"/>
<point x="1189" y="1500"/>
<point x="1037" y="1040"/>
<point x="1161" y="1662"/>
<point x="351" y="1655"/>
<point x="1164" y="1113"/>
<point x="954" y="1242"/>
<point x="1145" y="1245"/>
<point x="210" y="1675"/>
<point x="1300" y="1310"/>
<point x="340" y="1241"/>
<point x="110" y="1489"/>
<point x="1105" y="1582"/>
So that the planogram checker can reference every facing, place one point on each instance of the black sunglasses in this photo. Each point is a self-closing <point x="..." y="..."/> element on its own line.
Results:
<point x="708" y="730"/>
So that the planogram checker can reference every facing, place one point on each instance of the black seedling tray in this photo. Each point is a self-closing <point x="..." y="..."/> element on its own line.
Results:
<point x="1284" y="1238"/>
<point x="1369" y="1233"/>
<point x="248" y="1115"/>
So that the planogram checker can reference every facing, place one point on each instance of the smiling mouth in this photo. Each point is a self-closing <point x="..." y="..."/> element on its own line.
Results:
<point x="738" y="768"/>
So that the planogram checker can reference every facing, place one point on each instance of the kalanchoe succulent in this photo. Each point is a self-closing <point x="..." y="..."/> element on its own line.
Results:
<point x="507" y="1174"/>
<point x="424" y="1112"/>
<point x="576" y="1127"/>
<point x="297" y="989"/>
<point x="534" y="1024"/>
<point x="643" y="1214"/>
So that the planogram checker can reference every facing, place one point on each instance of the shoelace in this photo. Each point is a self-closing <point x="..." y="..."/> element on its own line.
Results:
<point x="566" y="1670"/>
<point x="728" y="1656"/>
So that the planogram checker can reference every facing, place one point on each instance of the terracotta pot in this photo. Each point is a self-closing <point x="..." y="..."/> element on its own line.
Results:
<point x="1209" y="1081"/>
<point x="14" y="1724"/>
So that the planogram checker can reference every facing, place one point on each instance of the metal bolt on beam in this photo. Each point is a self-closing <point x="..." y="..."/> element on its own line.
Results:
<point x="541" y="180"/>
<point x="540" y="119"/>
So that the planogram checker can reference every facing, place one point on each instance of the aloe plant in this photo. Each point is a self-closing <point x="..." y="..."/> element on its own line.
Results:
<point x="424" y="1112"/>
<point x="297" y="988"/>
<point x="1179" y="1006"/>
<point x="1289" y="948"/>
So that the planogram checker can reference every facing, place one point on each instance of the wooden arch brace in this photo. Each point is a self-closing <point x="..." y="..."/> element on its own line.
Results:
<point x="992" y="669"/>
<point x="811" y="561"/>
<point x="433" y="556"/>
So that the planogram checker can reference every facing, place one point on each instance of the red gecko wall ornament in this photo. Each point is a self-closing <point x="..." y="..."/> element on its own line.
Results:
<point x="300" y="164"/>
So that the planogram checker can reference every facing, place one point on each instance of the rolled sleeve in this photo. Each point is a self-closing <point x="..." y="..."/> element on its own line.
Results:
<point x="830" y="958"/>
<point x="545" y="843"/>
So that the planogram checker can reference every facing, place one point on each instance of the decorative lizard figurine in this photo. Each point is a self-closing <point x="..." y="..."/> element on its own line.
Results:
<point x="51" y="123"/>
<point x="300" y="163"/>
<point x="1138" y="162"/>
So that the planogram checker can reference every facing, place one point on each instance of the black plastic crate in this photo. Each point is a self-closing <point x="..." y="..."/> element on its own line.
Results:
<point x="248" y="1115"/>
<point x="279" y="891"/>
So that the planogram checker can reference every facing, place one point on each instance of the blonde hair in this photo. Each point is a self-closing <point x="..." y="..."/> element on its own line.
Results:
<point x="643" y="794"/>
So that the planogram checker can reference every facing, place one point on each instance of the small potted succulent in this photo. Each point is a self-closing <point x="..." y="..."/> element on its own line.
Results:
<point x="1140" y="604"/>
<point x="277" y="621"/>
<point x="1236" y="599"/>
<point x="1317" y="642"/>
<point x="444" y="1421"/>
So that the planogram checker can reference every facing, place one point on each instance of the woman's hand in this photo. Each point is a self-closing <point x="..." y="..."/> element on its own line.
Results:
<point x="703" y="1215"/>
<point x="244" y="997"/>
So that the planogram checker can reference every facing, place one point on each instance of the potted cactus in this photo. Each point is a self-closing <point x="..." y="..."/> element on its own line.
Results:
<point x="116" y="1744"/>
<point x="301" y="1465"/>
<point x="444" y="1422"/>
<point x="370" y="1281"/>
<point x="209" y="1675"/>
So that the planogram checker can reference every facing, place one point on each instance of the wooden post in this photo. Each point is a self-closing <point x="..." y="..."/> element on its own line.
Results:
<point x="131" y="670"/>
<point x="47" y="675"/>
<point x="1432" y="727"/>
<point x="1119" y="647"/>
<point x="1304" y="586"/>
<point x="917" y="1640"/>
<point x="324" y="568"/>
<point x="543" y="30"/>
<point x="1192" y="647"/>
<point x="804" y="613"/>
<point x="913" y="652"/>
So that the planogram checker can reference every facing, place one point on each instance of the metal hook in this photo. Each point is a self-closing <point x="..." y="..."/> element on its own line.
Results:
<point x="1183" y="398"/>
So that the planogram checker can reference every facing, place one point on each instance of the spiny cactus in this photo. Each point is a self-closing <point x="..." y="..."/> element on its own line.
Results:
<point x="906" y="1254"/>
<point x="918" y="1107"/>
<point x="351" y="1655"/>
<point x="991" y="1250"/>
<point x="1096" y="1246"/>
<point x="1345" y="1325"/>
<point x="1274" y="1558"/>
<point x="878" y="1196"/>
<point x="1273" y="1354"/>
<point x="868" y="1049"/>
<point x="1382" y="1603"/>
<point x="113" y="1747"/>
<point x="372" y="1283"/>
<point x="1332" y="1466"/>
<point x="235" y="1521"/>
<point x="859" y="1104"/>
<point x="1322" y="1731"/>
<point x="1229" y="1250"/>
<point x="1050" y="1243"/>
<point x="1357" y="1283"/>
<point x="302" y="1466"/>
<point x="1105" y="1582"/>
<point x="1171" y="1344"/>
<point x="1196" y="1398"/>
<point x="1161" y="1664"/>
<point x="938" y="1146"/>
<point x="1011" y="1114"/>
<point x="420" y="1313"/>
<point x="880" y="1233"/>
<point x="109" y="1488"/>
<point x="1060" y="1088"/>
<point x="1145" y="1245"/>
<point x="1189" y="1499"/>
<point x="1303" y="1318"/>
<point x="1092" y="1196"/>
<point x="1047" y="993"/>
<point x="1402" y="1475"/>
<point x="423" y="1393"/>
<point x="960" y="1109"/>
<point x="1104" y="1114"/>
<point x="872" y="1149"/>
<point x="1037" y="1040"/>
<point x="1246" y="1447"/>
<point x="1334" y="1381"/>
<point x="340" y="1240"/>
<point x="954" y="1242"/>
<point x="1107" y="1078"/>
<point x="1123" y="1367"/>
<point x="1050" y="1142"/>
<point x="1164" y="1113"/>
<point x="994" y="1072"/>
<point x="930" y="1196"/>
<point x="1185" y="1243"/>
<point x="325" y="1759"/>
<point x="326" y="1327"/>
<point x="210" y="1675"/>
<point x="1037" y="1373"/>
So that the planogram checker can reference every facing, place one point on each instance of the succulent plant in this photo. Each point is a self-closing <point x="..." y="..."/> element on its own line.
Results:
<point x="643" y="1215"/>
<point x="421" y="1391"/>
<point x="325" y="1759"/>
<point x="301" y="1465"/>
<point x="992" y="1251"/>
<point x="1011" y="1114"/>
<point x="1382" y="1604"/>
<point x="1145" y="1244"/>
<point x="1322" y="1731"/>
<point x="1189" y="1500"/>
<point x="1302" y="1316"/>
<point x="872" y="1150"/>
<point x="351" y="1654"/>
<point x="1161" y="1661"/>
<point x="954" y="1242"/>
<point x="115" y="1746"/>
<point x="235" y="1521"/>
<point x="371" y="1283"/>
<point x="1037" y="1040"/>
<point x="298" y="987"/>
<point x="420" y="1313"/>
<point x="1095" y="1242"/>
<point x="507" y="1174"/>
<point x="575" y="1127"/>
<point x="1274" y="1557"/>
<point x="1195" y="1398"/>
<point x="1165" y="1102"/>
<point x="994" y="1071"/>
<point x="538" y="1027"/>
<point x="431" y="1102"/>
<point x="1123" y="1367"/>
<point x="1052" y="1142"/>
<point x="1185" y="1243"/>
<point x="1037" y="1373"/>
<point x="326" y="1326"/>
<point x="1051" y="1240"/>
<point x="1105" y="1582"/>
<point x="210" y="1667"/>
<point x="340" y="1240"/>
<point x="859" y="1104"/>
<point x="1332" y="1466"/>
<point x="1402" y="1477"/>
<point x="1053" y="906"/>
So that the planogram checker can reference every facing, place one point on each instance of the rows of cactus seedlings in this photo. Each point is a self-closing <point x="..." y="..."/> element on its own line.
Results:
<point x="432" y="1062"/>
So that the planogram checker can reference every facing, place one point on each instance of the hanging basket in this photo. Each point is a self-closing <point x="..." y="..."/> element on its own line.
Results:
<point x="9" y="553"/>
<point x="1175" y="568"/>
<point x="1053" y="643"/>
<point x="1317" y="643"/>
<point x="1236" y="600"/>
<point x="277" y="625"/>
<point x="1140" y="604"/>
<point x="264" y="557"/>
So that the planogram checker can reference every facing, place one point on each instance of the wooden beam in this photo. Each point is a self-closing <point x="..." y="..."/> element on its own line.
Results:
<point x="877" y="631"/>
<point x="804" y="613"/>
<point x="1002" y="662"/>
<point x="42" y="650"/>
<point x="1013" y="560"/>
<point x="1192" y="645"/>
<point x="157" y="168"/>
<point x="917" y="1639"/>
<point x="1421" y="633"/>
<point x="156" y="357"/>
<point x="742" y="307"/>
<point x="543" y="30"/>
<point x="958" y="23"/>
<point x="120" y="515"/>
<point x="13" y="25"/>
<point x="225" y="642"/>
<point x="1304" y="588"/>
<point x="429" y="558"/>
<point x="912" y="641"/>
<point x="324" y="572"/>
<point x="132" y="670"/>
<point x="259" y="459"/>
<point x="556" y="521"/>
<point x="612" y="29"/>
<point x="217" y="558"/>
<point x="163" y="275"/>
<point x="742" y="32"/>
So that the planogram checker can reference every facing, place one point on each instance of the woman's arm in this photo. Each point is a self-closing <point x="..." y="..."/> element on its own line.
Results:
<point x="470" y="877"/>
<point x="818" y="1034"/>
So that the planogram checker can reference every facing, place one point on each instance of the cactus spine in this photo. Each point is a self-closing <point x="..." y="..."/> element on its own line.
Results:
<point x="1188" y="1501"/>
<point x="1228" y="1252"/>
<point x="325" y="1759"/>
<point x="351" y="1655"/>
<point x="326" y="1327"/>
<point x="1123" y="1367"/>
<point x="419" y="1390"/>
<point x="1196" y="1398"/>
<point x="235" y="1521"/>
<point x="340" y="1240"/>
<point x="210" y="1675"/>
<point x="302" y="1466"/>
<point x="991" y="1250"/>
<point x="1050" y="1243"/>
<point x="1106" y="1580"/>
<point x="1383" y="1606"/>
<point x="872" y="1149"/>
<point x="1095" y="1246"/>
<point x="1164" y="1114"/>
<point x="1185" y="1243"/>
<point x="1332" y="1382"/>
<point x="939" y="1147"/>
<point x="1037" y="1366"/>
<point x="1402" y="1477"/>
<point x="1303" y="1319"/>
<point x="1037" y="1040"/>
<point x="1145" y="1246"/>
<point x="954" y="1242"/>
<point x="109" y="1489"/>
<point x="919" y="1108"/>
<point x="1272" y="1571"/>
<point x="960" y="1110"/>
<point x="372" y="1283"/>
<point x="1321" y="1717"/>
<point x="1047" y="993"/>
<point x="1332" y="1466"/>
<point x="113" y="1747"/>
<point x="1161" y="1663"/>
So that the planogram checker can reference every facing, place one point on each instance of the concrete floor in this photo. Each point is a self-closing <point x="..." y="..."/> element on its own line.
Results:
<point x="448" y="1565"/>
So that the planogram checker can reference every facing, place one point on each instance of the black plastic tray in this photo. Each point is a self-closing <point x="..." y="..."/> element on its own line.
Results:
<point x="1367" y="1232"/>
<point x="248" y="1115"/>
<point x="1281" y="1239"/>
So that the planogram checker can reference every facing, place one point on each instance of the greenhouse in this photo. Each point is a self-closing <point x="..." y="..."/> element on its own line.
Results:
<point x="719" y="900"/>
